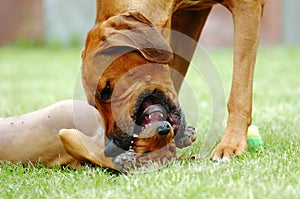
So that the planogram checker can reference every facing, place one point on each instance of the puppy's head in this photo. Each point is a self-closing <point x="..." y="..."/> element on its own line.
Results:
<point x="126" y="77"/>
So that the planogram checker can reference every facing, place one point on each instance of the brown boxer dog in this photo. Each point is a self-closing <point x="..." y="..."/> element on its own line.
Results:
<point x="126" y="68"/>
<point x="127" y="76"/>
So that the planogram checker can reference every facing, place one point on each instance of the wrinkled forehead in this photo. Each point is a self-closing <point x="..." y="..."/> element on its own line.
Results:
<point x="114" y="63"/>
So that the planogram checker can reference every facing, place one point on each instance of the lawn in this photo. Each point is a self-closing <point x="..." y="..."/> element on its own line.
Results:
<point x="34" y="77"/>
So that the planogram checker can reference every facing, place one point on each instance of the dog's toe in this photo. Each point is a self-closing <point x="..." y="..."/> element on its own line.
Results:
<point x="224" y="153"/>
<point x="233" y="144"/>
<point x="126" y="161"/>
<point x="186" y="138"/>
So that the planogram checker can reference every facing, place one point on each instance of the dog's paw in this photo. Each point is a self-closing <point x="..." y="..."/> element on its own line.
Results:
<point x="186" y="138"/>
<point x="126" y="161"/>
<point x="228" y="149"/>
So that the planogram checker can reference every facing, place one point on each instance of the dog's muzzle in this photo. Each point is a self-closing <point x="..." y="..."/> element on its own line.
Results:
<point x="155" y="113"/>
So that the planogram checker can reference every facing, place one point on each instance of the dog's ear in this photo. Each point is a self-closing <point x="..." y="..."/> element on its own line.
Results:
<point x="135" y="31"/>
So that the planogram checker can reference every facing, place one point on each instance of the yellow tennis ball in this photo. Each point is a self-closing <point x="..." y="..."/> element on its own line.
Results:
<point x="254" y="140"/>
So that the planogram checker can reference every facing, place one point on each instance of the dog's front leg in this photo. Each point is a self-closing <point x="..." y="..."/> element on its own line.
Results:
<point x="247" y="20"/>
<point x="86" y="148"/>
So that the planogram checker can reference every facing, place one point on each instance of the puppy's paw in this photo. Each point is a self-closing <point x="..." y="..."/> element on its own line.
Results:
<point x="186" y="138"/>
<point x="126" y="161"/>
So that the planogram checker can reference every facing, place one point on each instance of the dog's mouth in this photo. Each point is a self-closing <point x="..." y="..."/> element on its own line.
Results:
<point x="154" y="114"/>
<point x="156" y="107"/>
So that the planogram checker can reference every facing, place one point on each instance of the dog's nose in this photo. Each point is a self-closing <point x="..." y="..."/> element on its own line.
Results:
<point x="164" y="128"/>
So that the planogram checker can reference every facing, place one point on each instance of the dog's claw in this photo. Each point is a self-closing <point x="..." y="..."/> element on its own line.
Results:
<point x="186" y="138"/>
<point x="126" y="161"/>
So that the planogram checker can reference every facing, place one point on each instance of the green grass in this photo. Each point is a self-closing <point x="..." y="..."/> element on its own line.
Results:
<point x="31" y="78"/>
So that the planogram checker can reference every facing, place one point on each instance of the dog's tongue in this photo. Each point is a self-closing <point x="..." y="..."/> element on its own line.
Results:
<point x="153" y="113"/>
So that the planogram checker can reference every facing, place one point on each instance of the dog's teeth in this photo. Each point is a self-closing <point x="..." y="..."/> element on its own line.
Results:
<point x="159" y="116"/>
<point x="135" y="136"/>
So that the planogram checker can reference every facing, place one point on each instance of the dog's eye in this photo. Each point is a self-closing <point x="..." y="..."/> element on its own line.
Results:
<point x="104" y="95"/>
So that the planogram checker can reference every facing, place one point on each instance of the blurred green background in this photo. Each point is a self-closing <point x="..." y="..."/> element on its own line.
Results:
<point x="67" y="22"/>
